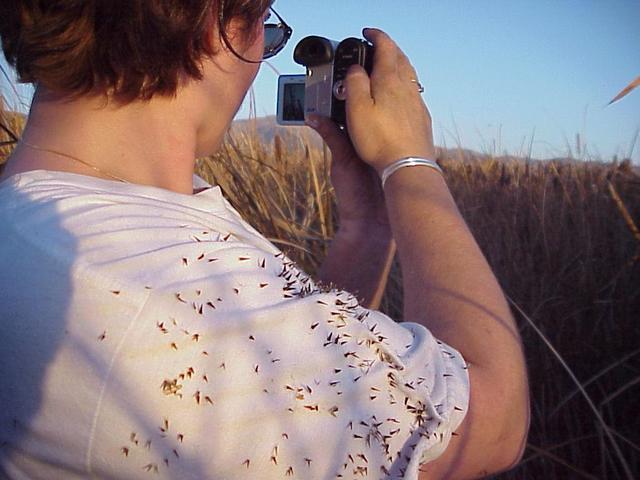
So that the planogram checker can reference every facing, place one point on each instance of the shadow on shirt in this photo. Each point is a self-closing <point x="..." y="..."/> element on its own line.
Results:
<point x="46" y="407"/>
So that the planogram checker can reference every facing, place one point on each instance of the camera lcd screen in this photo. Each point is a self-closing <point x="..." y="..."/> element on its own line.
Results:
<point x="293" y="105"/>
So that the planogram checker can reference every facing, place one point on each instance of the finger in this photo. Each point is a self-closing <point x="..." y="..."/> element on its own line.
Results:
<point x="359" y="99"/>
<point x="408" y="74"/>
<point x="385" y="58"/>
<point x="358" y="90"/>
<point x="405" y="68"/>
<point x="335" y="139"/>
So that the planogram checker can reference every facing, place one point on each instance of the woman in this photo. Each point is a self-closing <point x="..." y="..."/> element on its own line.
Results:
<point x="148" y="330"/>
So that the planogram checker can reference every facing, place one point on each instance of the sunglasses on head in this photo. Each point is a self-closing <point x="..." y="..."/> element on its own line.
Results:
<point x="276" y="35"/>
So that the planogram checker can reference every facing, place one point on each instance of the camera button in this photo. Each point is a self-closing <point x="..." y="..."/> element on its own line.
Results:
<point x="340" y="90"/>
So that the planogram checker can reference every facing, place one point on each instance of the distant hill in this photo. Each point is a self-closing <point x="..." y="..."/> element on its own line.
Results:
<point x="267" y="128"/>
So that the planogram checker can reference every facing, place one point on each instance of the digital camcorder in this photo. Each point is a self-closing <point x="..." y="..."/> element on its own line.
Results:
<point x="321" y="91"/>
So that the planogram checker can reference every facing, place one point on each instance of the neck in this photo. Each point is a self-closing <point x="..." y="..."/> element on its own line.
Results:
<point x="152" y="143"/>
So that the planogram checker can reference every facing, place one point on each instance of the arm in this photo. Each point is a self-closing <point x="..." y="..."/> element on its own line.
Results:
<point x="362" y="251"/>
<point x="448" y="285"/>
<point x="359" y="261"/>
<point x="449" y="288"/>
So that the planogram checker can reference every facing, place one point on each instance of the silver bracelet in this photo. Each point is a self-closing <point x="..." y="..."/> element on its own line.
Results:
<point x="408" y="162"/>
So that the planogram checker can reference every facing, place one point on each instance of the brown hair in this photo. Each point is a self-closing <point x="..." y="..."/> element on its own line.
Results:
<point x="135" y="49"/>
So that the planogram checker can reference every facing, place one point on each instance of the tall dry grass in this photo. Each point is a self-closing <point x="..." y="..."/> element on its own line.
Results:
<point x="561" y="236"/>
<point x="626" y="90"/>
<point x="11" y="124"/>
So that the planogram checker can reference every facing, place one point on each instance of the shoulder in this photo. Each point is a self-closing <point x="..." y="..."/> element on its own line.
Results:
<point x="134" y="231"/>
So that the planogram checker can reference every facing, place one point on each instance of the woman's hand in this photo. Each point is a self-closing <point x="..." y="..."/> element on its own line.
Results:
<point x="387" y="121"/>
<point x="361" y="253"/>
<point x="359" y="195"/>
<point x="386" y="116"/>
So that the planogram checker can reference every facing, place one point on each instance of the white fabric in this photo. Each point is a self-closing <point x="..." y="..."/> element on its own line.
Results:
<point x="149" y="334"/>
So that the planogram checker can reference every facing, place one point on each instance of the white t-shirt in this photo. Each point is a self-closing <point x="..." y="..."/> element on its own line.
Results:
<point x="151" y="334"/>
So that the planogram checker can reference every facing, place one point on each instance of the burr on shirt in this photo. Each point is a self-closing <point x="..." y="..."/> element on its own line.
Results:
<point x="151" y="334"/>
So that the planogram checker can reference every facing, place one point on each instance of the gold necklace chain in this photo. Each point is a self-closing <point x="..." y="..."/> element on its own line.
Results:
<point x="36" y="147"/>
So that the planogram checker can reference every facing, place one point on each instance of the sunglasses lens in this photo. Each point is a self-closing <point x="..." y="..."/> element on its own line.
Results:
<point x="274" y="40"/>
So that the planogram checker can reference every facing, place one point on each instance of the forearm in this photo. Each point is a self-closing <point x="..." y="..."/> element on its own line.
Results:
<point x="359" y="261"/>
<point x="448" y="285"/>
<point x="450" y="289"/>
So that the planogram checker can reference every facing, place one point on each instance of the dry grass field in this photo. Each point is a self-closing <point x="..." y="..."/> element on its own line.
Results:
<point x="563" y="239"/>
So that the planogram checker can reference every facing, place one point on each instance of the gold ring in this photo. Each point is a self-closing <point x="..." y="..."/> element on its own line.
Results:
<point x="419" y="85"/>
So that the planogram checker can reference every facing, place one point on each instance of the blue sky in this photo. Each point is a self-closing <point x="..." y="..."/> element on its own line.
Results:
<point x="499" y="72"/>
<point x="499" y="75"/>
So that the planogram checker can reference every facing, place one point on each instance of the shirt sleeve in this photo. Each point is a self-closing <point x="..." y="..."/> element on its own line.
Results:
<point x="295" y="380"/>
<point x="410" y="390"/>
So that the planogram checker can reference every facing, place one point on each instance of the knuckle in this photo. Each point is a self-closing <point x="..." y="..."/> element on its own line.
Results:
<point x="405" y="63"/>
<point x="403" y="58"/>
